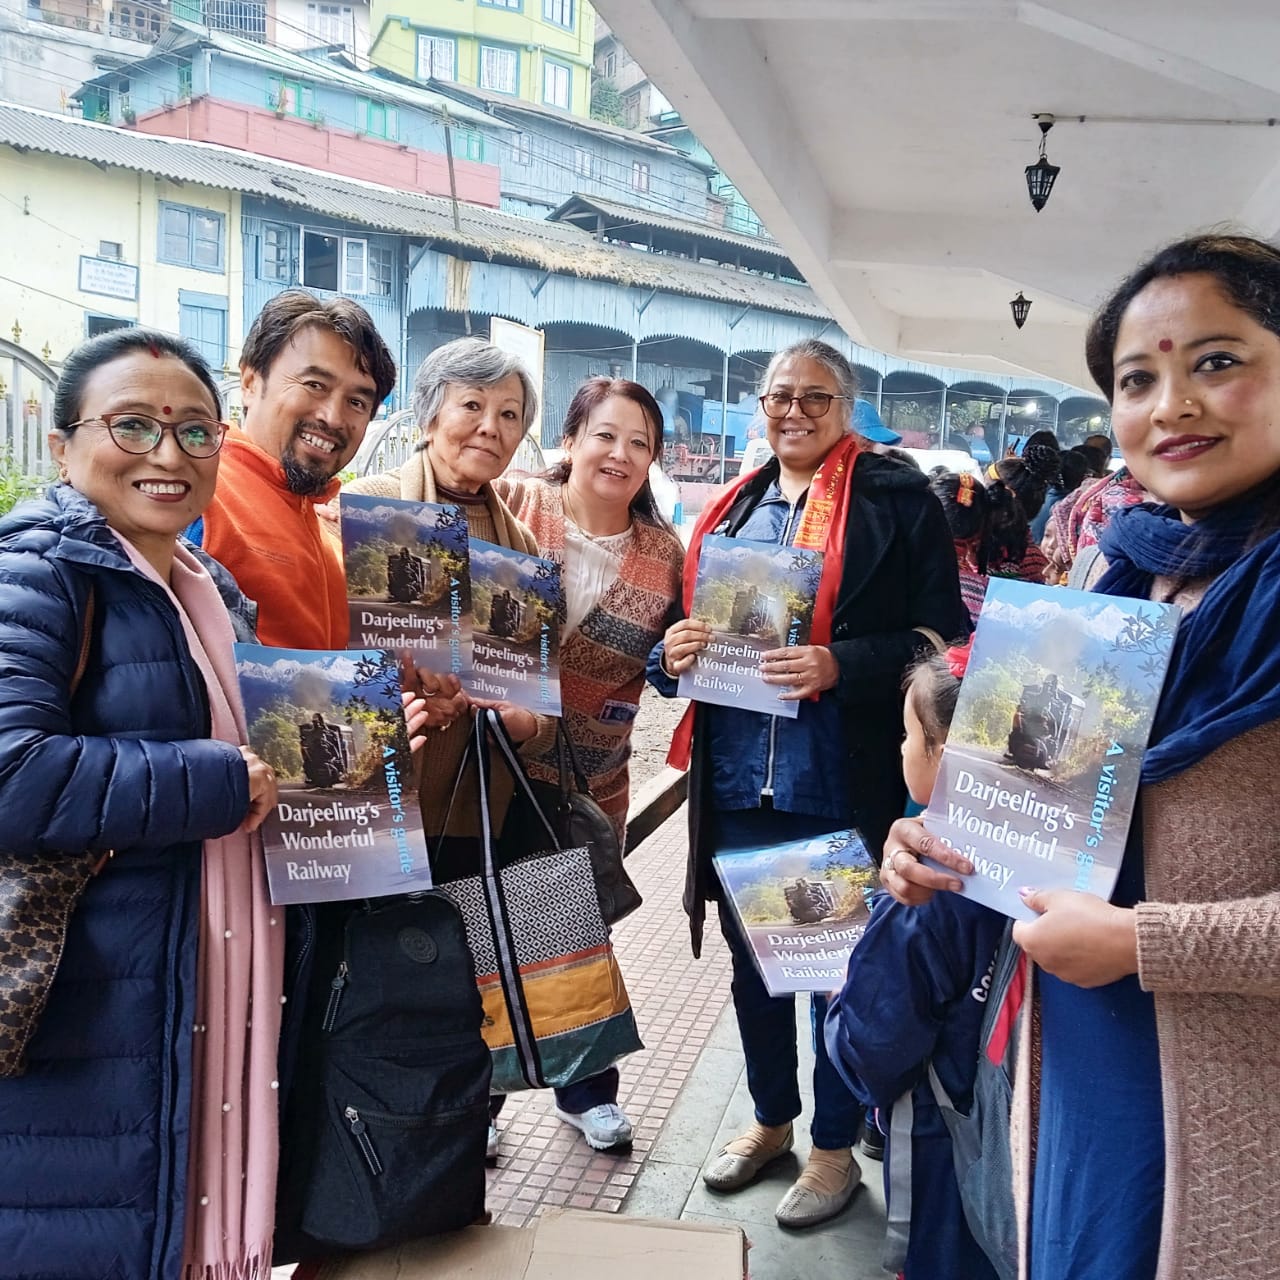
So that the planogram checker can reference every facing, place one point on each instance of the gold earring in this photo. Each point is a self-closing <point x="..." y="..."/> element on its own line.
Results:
<point x="63" y="474"/>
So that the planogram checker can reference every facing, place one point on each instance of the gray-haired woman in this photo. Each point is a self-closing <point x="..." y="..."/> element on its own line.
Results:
<point x="473" y="403"/>
<point x="889" y="577"/>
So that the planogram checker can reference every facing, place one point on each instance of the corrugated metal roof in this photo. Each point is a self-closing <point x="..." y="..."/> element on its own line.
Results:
<point x="181" y="38"/>
<point x="639" y="217"/>
<point x="550" y="246"/>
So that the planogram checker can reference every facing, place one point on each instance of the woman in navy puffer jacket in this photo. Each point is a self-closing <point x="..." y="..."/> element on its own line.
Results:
<point x="98" y="1136"/>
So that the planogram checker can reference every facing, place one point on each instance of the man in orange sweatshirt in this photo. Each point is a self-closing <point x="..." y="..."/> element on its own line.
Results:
<point x="312" y="375"/>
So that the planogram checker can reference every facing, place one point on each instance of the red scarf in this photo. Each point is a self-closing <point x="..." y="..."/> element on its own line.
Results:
<point x="822" y="528"/>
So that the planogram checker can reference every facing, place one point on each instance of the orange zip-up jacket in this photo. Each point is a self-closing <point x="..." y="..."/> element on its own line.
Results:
<point x="272" y="542"/>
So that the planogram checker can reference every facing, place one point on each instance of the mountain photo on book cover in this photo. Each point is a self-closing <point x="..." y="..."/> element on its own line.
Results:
<point x="408" y="578"/>
<point x="755" y="596"/>
<point x="1041" y="765"/>
<point x="331" y="725"/>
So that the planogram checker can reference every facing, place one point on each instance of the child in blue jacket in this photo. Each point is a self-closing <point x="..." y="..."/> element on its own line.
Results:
<point x="916" y="992"/>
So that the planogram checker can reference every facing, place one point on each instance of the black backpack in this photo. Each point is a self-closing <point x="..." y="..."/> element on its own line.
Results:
<point x="384" y="1131"/>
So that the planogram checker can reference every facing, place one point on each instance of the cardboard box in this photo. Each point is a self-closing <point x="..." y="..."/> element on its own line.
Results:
<point x="564" y="1244"/>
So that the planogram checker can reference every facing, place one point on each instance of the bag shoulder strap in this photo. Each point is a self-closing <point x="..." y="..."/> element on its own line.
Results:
<point x="86" y="640"/>
<point x="488" y="725"/>
<point x="567" y="751"/>
<point x="510" y="754"/>
<point x="897" y="1235"/>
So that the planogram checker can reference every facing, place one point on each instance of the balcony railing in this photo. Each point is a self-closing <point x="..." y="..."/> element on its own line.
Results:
<point x="138" y="20"/>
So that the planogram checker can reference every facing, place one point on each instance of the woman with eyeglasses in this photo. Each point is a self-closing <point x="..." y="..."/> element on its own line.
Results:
<point x="889" y="592"/>
<point x="141" y="1140"/>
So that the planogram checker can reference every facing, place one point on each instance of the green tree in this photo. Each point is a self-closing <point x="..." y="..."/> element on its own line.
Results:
<point x="16" y="485"/>
<point x="274" y="736"/>
<point x="606" y="103"/>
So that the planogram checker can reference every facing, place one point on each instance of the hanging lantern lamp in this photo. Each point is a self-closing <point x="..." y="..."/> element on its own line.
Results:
<point x="1042" y="175"/>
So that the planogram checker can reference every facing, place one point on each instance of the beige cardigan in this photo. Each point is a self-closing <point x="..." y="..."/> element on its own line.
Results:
<point x="1209" y="952"/>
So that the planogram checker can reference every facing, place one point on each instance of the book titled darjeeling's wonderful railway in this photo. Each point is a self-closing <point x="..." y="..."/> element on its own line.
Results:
<point x="1040" y="770"/>
<point x="515" y="652"/>
<point x="802" y="906"/>
<point x="408" y="579"/>
<point x="332" y="727"/>
<point x="755" y="596"/>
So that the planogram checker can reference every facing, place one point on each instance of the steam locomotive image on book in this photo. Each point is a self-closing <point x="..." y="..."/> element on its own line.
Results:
<point x="756" y="614"/>
<point x="810" y="901"/>
<point x="506" y="615"/>
<point x="1046" y="723"/>
<point x="407" y="577"/>
<point x="328" y="751"/>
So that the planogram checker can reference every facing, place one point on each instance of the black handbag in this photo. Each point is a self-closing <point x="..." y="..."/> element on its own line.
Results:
<point x="577" y="820"/>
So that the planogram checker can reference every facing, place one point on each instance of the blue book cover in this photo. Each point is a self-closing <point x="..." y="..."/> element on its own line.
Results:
<point x="755" y="596"/>
<point x="802" y="906"/>
<point x="331" y="725"/>
<point x="408" y="579"/>
<point x="1040" y="770"/>
<point x="515" y="651"/>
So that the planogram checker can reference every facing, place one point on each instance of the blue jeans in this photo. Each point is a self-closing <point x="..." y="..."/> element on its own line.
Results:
<point x="767" y="1024"/>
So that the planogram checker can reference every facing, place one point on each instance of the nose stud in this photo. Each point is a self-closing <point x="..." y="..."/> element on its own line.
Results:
<point x="1186" y="402"/>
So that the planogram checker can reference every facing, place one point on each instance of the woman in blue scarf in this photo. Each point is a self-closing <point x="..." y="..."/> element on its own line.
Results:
<point x="1151" y="1091"/>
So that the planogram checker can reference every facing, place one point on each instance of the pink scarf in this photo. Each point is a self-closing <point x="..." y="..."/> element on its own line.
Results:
<point x="231" y="1180"/>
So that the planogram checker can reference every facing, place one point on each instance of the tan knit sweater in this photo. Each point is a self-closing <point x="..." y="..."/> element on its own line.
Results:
<point x="1209" y="952"/>
<point x="437" y="762"/>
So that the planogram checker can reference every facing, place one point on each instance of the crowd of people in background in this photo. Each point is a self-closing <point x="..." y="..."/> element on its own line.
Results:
<point x="1146" y="1117"/>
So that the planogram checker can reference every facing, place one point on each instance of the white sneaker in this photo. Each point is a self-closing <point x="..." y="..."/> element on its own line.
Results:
<point x="491" y="1148"/>
<point x="604" y="1127"/>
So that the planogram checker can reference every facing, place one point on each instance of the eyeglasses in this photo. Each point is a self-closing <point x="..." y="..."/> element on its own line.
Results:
<point x="813" y="404"/>
<point x="139" y="433"/>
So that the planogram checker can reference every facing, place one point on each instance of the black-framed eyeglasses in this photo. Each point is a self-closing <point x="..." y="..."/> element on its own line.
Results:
<point x="140" y="433"/>
<point x="813" y="404"/>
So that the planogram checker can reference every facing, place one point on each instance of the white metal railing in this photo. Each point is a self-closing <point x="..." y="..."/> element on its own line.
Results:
<point x="26" y="409"/>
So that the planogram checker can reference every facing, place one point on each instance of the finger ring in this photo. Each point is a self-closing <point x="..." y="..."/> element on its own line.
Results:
<point x="893" y="859"/>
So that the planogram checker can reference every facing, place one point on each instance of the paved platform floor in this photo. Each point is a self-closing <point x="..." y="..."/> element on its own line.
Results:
<point x="687" y="1096"/>
<point x="677" y="1001"/>
<point x="715" y="1107"/>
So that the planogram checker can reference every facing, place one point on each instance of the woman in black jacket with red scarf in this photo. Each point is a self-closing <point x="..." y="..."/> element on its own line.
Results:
<point x="889" y="586"/>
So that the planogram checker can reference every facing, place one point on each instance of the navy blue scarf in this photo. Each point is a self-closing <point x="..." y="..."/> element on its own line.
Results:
<point x="1224" y="676"/>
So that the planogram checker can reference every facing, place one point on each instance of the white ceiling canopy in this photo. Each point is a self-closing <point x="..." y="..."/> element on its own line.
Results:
<point x="883" y="143"/>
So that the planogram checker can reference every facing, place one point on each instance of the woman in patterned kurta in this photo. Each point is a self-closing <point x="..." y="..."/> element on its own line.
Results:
<point x="594" y="514"/>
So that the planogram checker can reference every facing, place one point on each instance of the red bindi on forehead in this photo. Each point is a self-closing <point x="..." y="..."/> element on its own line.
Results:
<point x="1166" y="344"/>
<point x="166" y="410"/>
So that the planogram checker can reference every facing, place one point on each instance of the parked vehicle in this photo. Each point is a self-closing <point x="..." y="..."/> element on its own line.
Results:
<point x="952" y="459"/>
